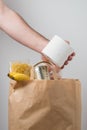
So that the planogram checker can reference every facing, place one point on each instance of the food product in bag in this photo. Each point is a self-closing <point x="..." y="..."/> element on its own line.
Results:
<point x="19" y="67"/>
<point x="19" y="71"/>
<point x="18" y="76"/>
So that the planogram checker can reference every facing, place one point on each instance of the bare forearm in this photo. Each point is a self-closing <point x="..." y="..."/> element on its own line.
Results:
<point x="18" y="29"/>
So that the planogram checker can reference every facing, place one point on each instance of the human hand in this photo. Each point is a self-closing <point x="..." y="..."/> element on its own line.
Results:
<point x="70" y="57"/>
<point x="65" y="63"/>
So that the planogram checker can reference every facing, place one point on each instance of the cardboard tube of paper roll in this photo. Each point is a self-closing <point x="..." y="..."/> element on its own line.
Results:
<point x="57" y="50"/>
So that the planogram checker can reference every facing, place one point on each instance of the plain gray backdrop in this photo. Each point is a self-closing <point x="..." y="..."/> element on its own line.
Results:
<point x="66" y="18"/>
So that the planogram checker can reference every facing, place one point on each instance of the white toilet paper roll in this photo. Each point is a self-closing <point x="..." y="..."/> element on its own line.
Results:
<point x="57" y="50"/>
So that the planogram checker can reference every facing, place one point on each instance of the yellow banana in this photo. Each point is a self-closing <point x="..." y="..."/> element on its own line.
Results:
<point x="18" y="76"/>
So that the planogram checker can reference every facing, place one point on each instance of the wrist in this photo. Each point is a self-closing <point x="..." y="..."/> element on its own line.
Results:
<point x="42" y="45"/>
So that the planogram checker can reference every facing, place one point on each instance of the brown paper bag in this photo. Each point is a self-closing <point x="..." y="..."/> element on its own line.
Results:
<point x="45" y="105"/>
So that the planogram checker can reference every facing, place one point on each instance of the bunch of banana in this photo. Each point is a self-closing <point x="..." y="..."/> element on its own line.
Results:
<point x="20" y="72"/>
<point x="18" y="76"/>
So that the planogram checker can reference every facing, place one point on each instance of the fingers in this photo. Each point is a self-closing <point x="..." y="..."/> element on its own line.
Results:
<point x="56" y="68"/>
<point x="45" y="58"/>
<point x="65" y="63"/>
<point x="68" y="59"/>
<point x="67" y="41"/>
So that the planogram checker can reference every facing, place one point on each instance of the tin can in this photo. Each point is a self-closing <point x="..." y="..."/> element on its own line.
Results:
<point x="41" y="72"/>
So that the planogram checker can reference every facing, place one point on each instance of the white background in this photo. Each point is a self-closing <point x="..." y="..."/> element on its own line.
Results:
<point x="66" y="18"/>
